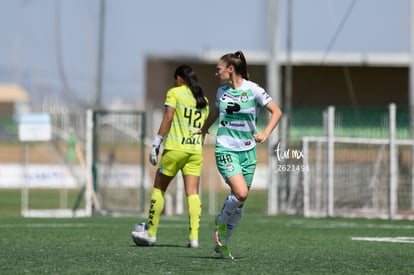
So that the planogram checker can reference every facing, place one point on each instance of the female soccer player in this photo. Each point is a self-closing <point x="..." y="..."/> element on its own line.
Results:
<point x="186" y="109"/>
<point x="237" y="103"/>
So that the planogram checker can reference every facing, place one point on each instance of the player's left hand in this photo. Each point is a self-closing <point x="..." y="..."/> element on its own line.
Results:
<point x="260" y="137"/>
<point x="153" y="157"/>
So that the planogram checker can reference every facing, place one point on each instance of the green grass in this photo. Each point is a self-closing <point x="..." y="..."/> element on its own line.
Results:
<point x="261" y="245"/>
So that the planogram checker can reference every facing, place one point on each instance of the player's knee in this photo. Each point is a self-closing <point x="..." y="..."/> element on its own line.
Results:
<point x="241" y="196"/>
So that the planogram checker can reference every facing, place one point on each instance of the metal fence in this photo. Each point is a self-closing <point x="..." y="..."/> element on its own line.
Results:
<point x="354" y="170"/>
<point x="359" y="177"/>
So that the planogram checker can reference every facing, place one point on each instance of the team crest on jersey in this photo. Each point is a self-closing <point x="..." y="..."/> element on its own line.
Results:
<point x="244" y="98"/>
<point x="229" y="167"/>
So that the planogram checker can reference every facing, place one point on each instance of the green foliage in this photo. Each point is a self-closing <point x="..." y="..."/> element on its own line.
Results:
<point x="261" y="245"/>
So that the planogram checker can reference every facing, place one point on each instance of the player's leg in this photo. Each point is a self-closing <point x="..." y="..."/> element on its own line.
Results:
<point x="248" y="169"/>
<point x="248" y="172"/>
<point x="161" y="183"/>
<point x="229" y="167"/>
<point x="192" y="171"/>
<point x="234" y="201"/>
<point x="233" y="222"/>
<point x="170" y="164"/>
<point x="166" y="172"/>
<point x="146" y="235"/>
<point x="238" y="195"/>
<point x="238" y="168"/>
<point x="229" y="216"/>
<point x="194" y="212"/>
<point x="228" y="164"/>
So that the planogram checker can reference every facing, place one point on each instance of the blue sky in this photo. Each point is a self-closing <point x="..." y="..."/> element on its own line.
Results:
<point x="31" y="30"/>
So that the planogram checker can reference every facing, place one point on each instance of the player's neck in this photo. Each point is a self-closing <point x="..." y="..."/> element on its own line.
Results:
<point x="237" y="82"/>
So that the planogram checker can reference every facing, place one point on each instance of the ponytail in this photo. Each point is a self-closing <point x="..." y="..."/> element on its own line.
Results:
<point x="191" y="80"/>
<point x="238" y="61"/>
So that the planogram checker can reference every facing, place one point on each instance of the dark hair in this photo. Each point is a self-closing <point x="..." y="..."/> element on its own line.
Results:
<point x="238" y="61"/>
<point x="190" y="78"/>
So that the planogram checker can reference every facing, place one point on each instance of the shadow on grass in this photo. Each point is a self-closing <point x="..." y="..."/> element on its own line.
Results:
<point x="215" y="257"/>
<point x="161" y="245"/>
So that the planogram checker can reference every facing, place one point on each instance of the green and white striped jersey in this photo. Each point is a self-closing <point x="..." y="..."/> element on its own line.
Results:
<point x="239" y="109"/>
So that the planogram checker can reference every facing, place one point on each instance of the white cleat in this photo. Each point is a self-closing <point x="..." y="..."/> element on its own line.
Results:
<point x="193" y="244"/>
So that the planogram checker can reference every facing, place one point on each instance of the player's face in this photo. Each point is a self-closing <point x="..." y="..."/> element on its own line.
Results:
<point x="223" y="71"/>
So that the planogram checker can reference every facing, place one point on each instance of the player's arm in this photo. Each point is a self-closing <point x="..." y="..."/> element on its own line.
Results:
<point x="162" y="131"/>
<point x="275" y="116"/>
<point x="166" y="121"/>
<point x="212" y="117"/>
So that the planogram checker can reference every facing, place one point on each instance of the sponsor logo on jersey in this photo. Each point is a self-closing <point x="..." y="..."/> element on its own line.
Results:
<point x="227" y="97"/>
<point x="191" y="140"/>
<point x="233" y="124"/>
<point x="232" y="108"/>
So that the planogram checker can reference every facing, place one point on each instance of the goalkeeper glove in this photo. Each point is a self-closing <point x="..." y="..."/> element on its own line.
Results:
<point x="153" y="157"/>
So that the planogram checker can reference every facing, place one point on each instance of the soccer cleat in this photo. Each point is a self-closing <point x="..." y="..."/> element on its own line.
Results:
<point x="140" y="235"/>
<point x="220" y="232"/>
<point x="220" y="237"/>
<point x="224" y="252"/>
<point x="193" y="244"/>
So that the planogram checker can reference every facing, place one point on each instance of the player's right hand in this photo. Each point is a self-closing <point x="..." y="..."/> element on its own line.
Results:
<point x="153" y="157"/>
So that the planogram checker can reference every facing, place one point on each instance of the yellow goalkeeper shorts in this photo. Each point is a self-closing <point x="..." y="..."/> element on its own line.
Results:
<point x="174" y="161"/>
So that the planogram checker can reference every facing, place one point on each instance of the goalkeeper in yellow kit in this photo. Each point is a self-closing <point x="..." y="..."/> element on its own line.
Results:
<point x="186" y="109"/>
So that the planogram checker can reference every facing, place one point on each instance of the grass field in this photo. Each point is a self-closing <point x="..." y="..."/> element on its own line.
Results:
<point x="261" y="245"/>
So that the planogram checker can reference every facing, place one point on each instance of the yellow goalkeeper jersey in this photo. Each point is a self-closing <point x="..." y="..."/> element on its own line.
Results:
<point x="187" y="120"/>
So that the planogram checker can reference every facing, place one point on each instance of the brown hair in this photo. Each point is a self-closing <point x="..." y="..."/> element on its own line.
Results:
<point x="238" y="61"/>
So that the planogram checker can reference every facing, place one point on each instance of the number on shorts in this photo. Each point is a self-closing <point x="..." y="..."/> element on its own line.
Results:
<point x="225" y="158"/>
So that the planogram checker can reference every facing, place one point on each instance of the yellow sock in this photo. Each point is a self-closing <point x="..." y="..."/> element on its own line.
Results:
<point x="156" y="208"/>
<point x="194" y="213"/>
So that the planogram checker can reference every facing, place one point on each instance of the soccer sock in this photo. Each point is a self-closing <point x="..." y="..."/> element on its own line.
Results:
<point x="233" y="222"/>
<point x="156" y="208"/>
<point x="194" y="214"/>
<point x="230" y="205"/>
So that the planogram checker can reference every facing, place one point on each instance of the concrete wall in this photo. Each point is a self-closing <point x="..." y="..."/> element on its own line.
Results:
<point x="313" y="86"/>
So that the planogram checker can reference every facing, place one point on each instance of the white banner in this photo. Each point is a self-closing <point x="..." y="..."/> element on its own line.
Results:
<point x="60" y="176"/>
<point x="35" y="127"/>
<point x="39" y="176"/>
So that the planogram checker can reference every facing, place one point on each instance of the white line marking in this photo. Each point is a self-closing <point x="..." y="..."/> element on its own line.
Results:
<point x="385" y="239"/>
<point x="335" y="224"/>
